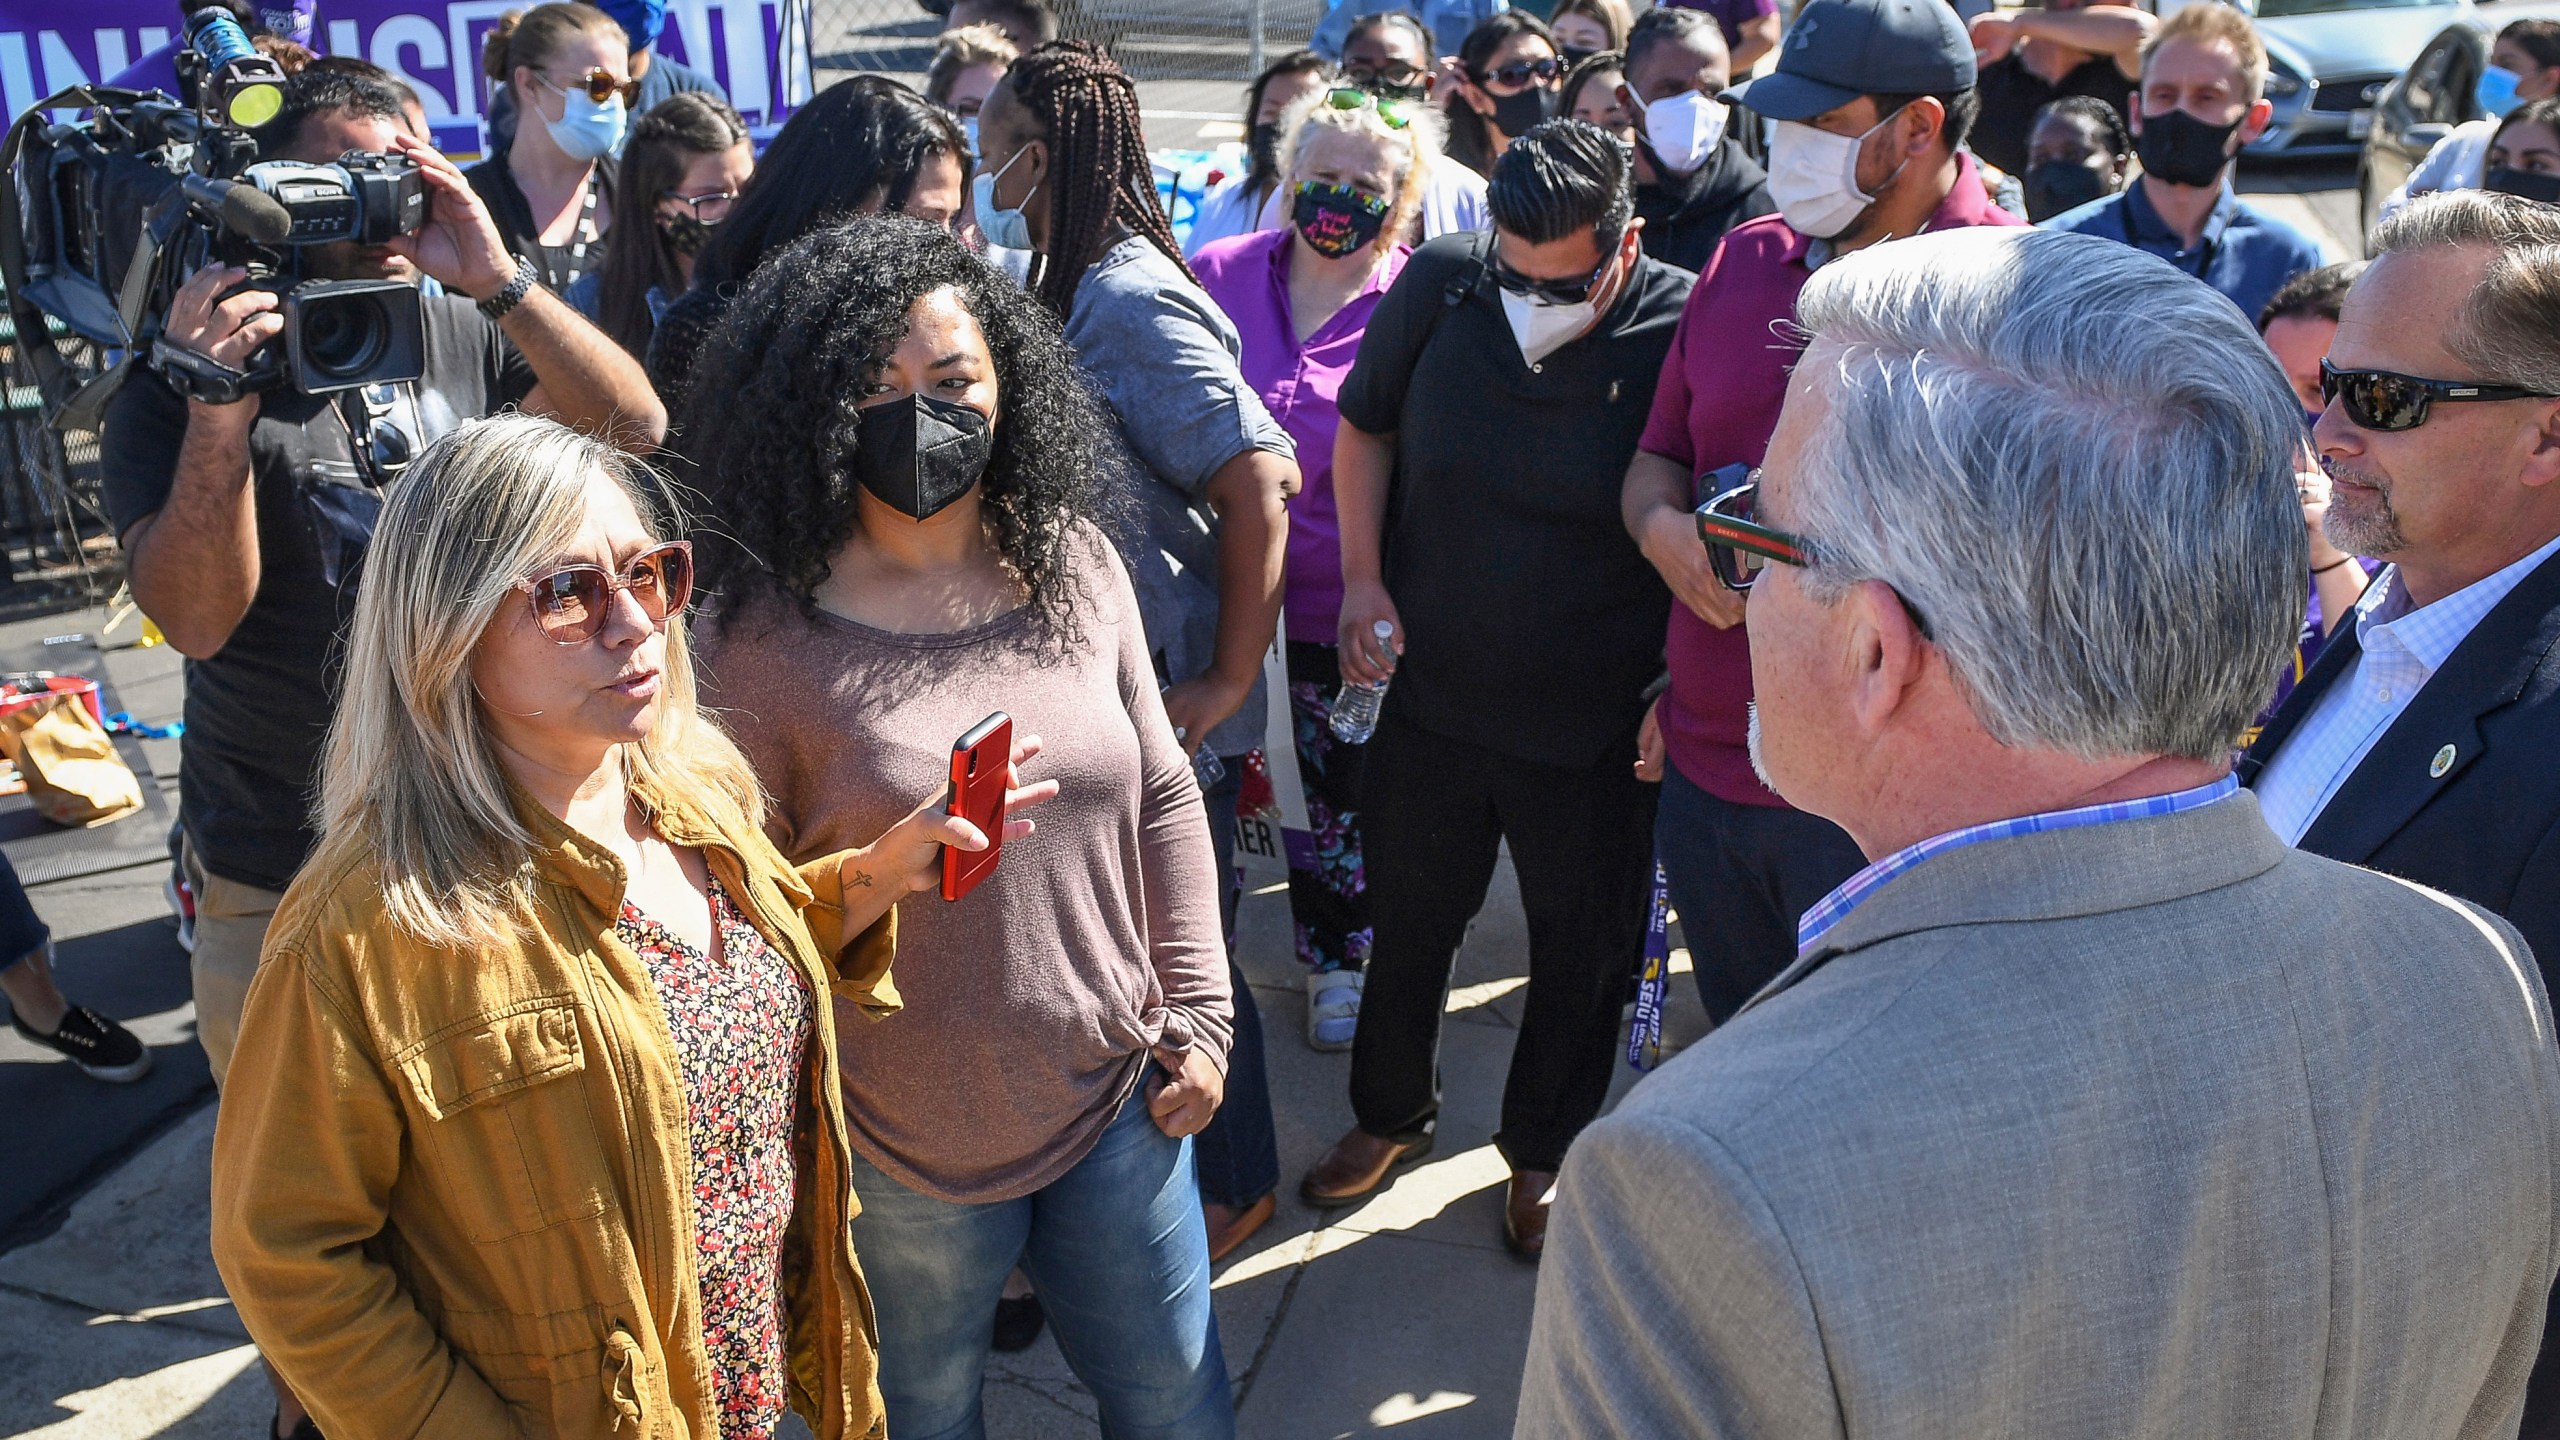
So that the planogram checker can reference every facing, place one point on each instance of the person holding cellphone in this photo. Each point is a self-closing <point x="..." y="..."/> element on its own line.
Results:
<point x="895" y="441"/>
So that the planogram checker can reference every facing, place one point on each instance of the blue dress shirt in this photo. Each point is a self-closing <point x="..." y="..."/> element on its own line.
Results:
<point x="2245" y="253"/>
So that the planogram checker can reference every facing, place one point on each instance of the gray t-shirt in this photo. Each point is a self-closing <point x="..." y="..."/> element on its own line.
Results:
<point x="1165" y="356"/>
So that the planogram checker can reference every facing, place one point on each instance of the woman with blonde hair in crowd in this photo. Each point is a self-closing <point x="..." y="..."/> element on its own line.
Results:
<point x="568" y="66"/>
<point x="1355" y="168"/>
<point x="535" y="1089"/>
<point x="967" y="63"/>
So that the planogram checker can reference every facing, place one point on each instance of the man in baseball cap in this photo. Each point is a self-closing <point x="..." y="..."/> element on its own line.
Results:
<point x="1873" y="99"/>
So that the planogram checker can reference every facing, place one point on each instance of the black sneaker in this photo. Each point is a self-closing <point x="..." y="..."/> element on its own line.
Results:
<point x="103" y="1049"/>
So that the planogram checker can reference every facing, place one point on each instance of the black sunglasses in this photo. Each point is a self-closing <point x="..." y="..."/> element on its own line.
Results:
<point x="1520" y="72"/>
<point x="1552" y="292"/>
<point x="1394" y="74"/>
<point x="1740" y="548"/>
<point x="2382" y="400"/>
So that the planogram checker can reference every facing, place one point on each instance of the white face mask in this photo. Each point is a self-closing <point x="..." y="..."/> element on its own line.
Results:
<point x="1813" y="175"/>
<point x="1543" y="329"/>
<point x="1684" y="128"/>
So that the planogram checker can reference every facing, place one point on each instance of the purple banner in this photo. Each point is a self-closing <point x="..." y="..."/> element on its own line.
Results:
<point x="757" y="49"/>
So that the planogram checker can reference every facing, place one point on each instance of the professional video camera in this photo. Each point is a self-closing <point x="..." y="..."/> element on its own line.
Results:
<point x="110" y="214"/>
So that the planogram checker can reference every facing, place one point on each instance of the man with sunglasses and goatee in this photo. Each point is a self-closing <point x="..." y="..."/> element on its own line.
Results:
<point x="2425" y="741"/>
<point x="1498" y="394"/>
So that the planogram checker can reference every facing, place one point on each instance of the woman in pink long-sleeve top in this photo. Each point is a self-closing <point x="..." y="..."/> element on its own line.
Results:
<point x="893" y="436"/>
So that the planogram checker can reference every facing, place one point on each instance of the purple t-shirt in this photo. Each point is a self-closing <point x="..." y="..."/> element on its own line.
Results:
<point x="1248" y="275"/>
<point x="1729" y="13"/>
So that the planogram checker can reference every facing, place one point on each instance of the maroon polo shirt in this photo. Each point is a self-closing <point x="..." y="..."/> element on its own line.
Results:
<point x="1717" y="403"/>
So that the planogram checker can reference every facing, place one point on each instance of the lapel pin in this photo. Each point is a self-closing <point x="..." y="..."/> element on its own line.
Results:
<point x="2440" y="764"/>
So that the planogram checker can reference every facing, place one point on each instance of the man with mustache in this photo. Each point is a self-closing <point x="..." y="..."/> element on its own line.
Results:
<point x="2421" y="742"/>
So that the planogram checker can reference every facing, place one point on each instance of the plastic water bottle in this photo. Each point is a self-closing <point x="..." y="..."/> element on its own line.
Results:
<point x="1355" y="706"/>
<point x="1208" y="768"/>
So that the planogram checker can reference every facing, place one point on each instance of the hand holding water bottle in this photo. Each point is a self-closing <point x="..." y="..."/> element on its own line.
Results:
<point x="1371" y="634"/>
<point x="1354" y="717"/>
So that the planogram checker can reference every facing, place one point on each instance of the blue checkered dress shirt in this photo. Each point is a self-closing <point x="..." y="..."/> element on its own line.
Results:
<point x="2399" y="649"/>
<point x="1836" y="906"/>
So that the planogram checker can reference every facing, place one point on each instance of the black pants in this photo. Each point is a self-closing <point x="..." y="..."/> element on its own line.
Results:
<point x="1741" y="876"/>
<point x="1436" y="812"/>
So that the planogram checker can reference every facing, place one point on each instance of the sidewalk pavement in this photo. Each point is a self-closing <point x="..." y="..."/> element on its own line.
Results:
<point x="1404" y="1314"/>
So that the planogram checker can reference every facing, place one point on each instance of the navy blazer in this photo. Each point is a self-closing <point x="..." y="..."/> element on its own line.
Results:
<point x="2487" y="828"/>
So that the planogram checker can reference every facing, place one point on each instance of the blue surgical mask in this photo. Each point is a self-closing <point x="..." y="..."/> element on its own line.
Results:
<point x="969" y="130"/>
<point x="1003" y="228"/>
<point x="2496" y="91"/>
<point x="587" y="130"/>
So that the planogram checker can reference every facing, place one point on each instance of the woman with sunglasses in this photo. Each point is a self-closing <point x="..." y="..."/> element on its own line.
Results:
<point x="679" y="176"/>
<point x="1503" y="81"/>
<point x="907" y="471"/>
<point x="552" y="189"/>
<point x="535" y="1089"/>
<point x="1354" y="176"/>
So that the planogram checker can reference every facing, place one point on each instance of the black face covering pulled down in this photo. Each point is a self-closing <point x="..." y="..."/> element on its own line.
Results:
<point x="1262" y="151"/>
<point x="918" y="454"/>
<point x="1519" y="113"/>
<point x="2182" y="149"/>
<point x="2054" y="186"/>
<point x="2530" y="185"/>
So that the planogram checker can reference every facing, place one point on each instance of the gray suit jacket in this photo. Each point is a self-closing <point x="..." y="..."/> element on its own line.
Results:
<point x="2155" y="1128"/>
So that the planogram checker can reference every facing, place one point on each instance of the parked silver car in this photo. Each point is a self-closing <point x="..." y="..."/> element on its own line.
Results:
<point x="2422" y="105"/>
<point x="2328" y="62"/>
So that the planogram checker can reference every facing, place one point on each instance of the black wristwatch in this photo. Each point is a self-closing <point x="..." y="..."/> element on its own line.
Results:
<point x="512" y="294"/>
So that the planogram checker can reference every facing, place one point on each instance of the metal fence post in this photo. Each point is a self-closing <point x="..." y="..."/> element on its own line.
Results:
<point x="1254" y="33"/>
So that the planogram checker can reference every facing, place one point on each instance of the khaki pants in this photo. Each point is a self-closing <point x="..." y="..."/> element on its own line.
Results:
<point x="231" y="928"/>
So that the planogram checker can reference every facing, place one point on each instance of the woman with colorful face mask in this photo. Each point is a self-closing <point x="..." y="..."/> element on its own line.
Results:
<point x="1301" y="298"/>
<point x="1233" y="206"/>
<point x="681" y="173"/>
<point x="551" y="190"/>
<point x="893" y="440"/>
<point x="1504" y="81"/>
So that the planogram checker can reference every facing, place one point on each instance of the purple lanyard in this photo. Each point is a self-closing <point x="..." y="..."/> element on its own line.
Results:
<point x="1653" y="980"/>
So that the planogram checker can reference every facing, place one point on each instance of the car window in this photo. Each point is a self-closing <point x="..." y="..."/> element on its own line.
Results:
<point x="2427" y="92"/>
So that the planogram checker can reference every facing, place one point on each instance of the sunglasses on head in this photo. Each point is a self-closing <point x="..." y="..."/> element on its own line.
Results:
<point x="600" y="85"/>
<point x="570" y="604"/>
<point x="1520" y="72"/>
<point x="2382" y="400"/>
<point x="1396" y="113"/>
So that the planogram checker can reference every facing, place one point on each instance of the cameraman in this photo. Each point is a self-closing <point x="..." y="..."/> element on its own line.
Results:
<point x="242" y="524"/>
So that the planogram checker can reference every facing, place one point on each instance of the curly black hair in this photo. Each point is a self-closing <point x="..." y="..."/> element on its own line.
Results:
<point x="771" y="432"/>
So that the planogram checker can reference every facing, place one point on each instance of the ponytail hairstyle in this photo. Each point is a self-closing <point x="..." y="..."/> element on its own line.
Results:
<point x="531" y="37"/>
<point x="1099" y="173"/>
<point x="637" y="257"/>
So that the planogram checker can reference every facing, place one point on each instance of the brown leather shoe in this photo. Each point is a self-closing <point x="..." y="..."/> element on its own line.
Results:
<point x="1357" y="1164"/>
<point x="1230" y="1227"/>
<point x="1524" y="1212"/>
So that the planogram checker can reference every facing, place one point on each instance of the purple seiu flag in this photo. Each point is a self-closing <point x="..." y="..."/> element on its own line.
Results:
<point x="1653" y="980"/>
<point x="757" y="49"/>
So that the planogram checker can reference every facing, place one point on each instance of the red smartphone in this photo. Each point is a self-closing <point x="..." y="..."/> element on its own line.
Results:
<point x="980" y="761"/>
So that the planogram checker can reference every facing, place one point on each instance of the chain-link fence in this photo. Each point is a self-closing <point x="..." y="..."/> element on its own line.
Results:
<point x="1153" y="39"/>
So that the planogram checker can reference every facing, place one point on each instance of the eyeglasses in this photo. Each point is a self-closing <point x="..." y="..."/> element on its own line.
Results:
<point x="710" y="207"/>
<point x="2381" y="400"/>
<point x="1552" y="292"/>
<point x="1394" y="74"/>
<point x="600" y="84"/>
<point x="1738" y="547"/>
<point x="1396" y="113"/>
<point x="1520" y="72"/>
<point x="570" y="604"/>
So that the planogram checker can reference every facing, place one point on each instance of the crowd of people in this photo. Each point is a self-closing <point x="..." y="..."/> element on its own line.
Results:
<point x="2007" y="592"/>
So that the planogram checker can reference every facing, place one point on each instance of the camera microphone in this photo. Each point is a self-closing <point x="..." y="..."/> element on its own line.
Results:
<point x="246" y="210"/>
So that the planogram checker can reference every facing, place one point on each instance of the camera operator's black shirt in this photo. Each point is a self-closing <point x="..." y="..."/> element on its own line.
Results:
<point x="1533" y="623"/>
<point x="257" y="710"/>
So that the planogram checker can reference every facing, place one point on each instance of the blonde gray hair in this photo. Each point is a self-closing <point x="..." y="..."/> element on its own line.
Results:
<point x="2508" y="329"/>
<point x="410" y="782"/>
<point x="1419" y="144"/>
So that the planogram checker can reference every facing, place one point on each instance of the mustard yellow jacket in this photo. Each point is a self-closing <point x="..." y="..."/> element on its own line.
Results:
<point x="452" y="1193"/>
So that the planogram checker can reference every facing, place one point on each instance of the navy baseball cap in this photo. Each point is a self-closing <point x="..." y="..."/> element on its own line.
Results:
<point x="1839" y="50"/>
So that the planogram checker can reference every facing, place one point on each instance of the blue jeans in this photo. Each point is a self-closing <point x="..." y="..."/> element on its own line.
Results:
<point x="1117" y="1251"/>
<point x="1741" y="876"/>
<point x="1239" y="1152"/>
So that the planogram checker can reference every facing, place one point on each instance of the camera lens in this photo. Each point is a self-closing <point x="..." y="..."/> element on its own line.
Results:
<point x="343" y="337"/>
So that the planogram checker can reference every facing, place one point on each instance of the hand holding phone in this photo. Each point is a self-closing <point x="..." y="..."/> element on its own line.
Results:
<point x="981" y="765"/>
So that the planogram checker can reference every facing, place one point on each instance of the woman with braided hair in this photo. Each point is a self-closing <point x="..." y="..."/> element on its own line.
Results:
<point x="1064" y="173"/>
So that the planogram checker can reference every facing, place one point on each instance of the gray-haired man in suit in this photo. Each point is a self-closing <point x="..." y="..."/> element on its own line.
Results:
<point x="2089" y="1109"/>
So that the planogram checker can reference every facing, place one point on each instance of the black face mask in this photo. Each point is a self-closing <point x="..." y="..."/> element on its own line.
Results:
<point x="2508" y="180"/>
<point x="2054" y="186"/>
<point x="1572" y="55"/>
<point x="1516" y="115"/>
<point x="2182" y="149"/>
<point x="919" y="454"/>
<point x="685" y="234"/>
<point x="1264" y="149"/>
